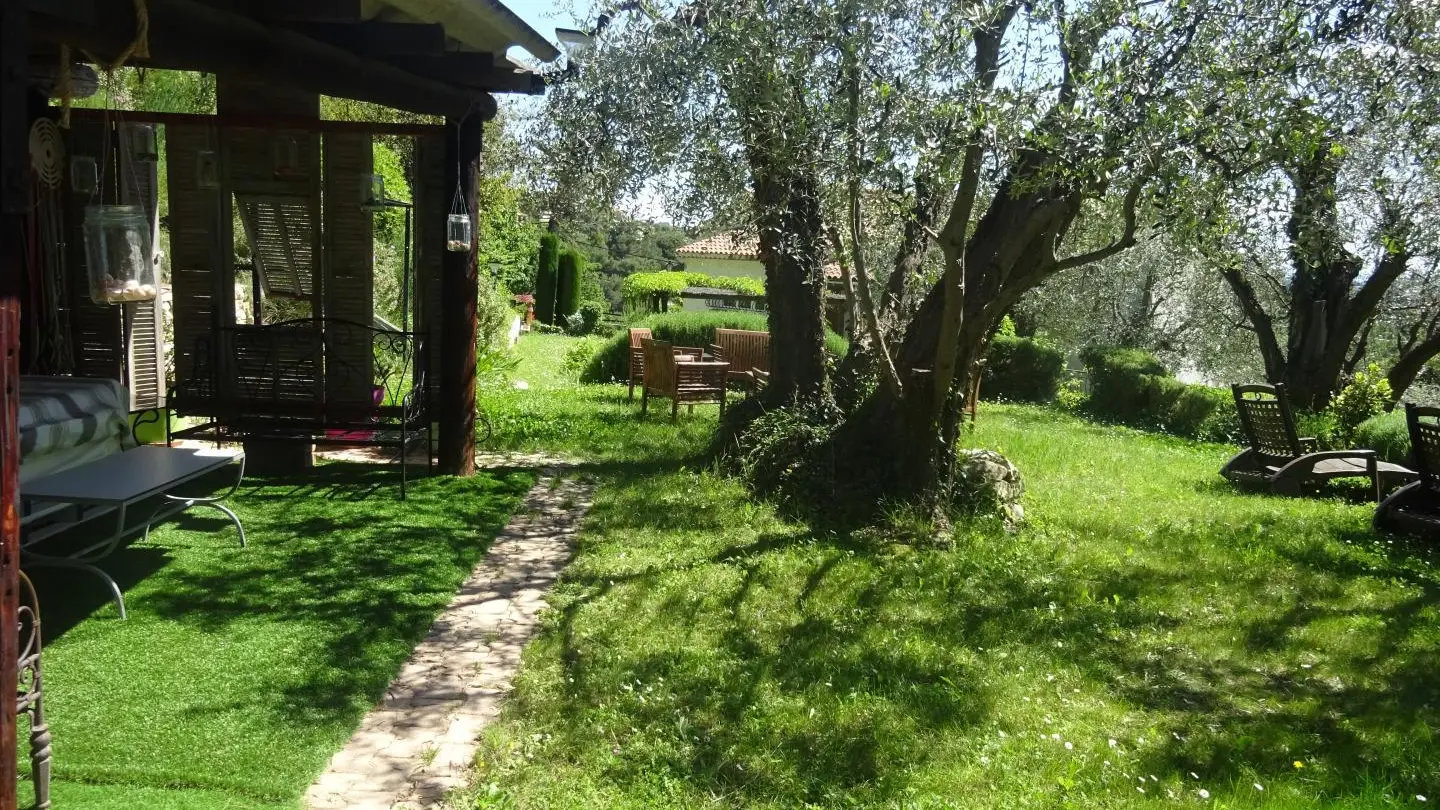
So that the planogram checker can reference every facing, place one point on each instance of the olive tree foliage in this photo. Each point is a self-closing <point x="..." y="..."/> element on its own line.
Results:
<point x="977" y="136"/>
<point x="1314" y="206"/>
<point x="712" y="108"/>
<point x="1161" y="296"/>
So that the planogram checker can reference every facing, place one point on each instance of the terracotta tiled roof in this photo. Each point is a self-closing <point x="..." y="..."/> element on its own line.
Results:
<point x="735" y="244"/>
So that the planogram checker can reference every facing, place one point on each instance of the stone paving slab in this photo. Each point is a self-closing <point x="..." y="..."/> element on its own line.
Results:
<point x="418" y="744"/>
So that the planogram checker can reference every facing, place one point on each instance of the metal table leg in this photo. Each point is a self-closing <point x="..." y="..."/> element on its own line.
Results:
<point x="182" y="503"/>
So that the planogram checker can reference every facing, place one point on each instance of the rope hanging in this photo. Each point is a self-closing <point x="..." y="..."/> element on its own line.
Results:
<point x="139" y="47"/>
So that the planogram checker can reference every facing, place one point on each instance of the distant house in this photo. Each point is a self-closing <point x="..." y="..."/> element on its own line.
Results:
<point x="737" y="253"/>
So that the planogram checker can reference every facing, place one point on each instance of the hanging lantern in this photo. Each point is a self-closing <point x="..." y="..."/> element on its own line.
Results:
<point x="207" y="170"/>
<point x="118" y="254"/>
<point x="84" y="175"/>
<point x="287" y="157"/>
<point x="142" y="143"/>
<point x="459" y="233"/>
<point x="373" y="193"/>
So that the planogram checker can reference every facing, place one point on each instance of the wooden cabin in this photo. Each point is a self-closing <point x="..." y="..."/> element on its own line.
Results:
<point x="265" y="168"/>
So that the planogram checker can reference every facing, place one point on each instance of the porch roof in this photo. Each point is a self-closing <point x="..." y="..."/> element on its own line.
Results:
<point x="434" y="57"/>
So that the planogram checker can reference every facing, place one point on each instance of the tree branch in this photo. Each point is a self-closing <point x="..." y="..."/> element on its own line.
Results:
<point x="1127" y="237"/>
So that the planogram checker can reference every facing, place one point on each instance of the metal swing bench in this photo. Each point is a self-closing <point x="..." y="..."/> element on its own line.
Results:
<point x="324" y="381"/>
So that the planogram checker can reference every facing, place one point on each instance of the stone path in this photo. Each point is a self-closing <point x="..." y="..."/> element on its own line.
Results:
<point x="418" y="744"/>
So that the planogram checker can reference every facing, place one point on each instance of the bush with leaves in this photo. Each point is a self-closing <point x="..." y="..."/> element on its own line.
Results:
<point x="782" y="456"/>
<point x="1132" y="387"/>
<point x="1367" y="395"/>
<point x="1387" y="434"/>
<point x="1019" y="369"/>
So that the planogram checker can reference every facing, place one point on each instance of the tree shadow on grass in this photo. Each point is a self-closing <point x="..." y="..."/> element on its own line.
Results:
<point x="335" y="553"/>
<point x="1355" y="716"/>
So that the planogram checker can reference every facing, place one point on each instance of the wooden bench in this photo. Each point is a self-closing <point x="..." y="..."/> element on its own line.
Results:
<point x="1286" y="463"/>
<point x="746" y="351"/>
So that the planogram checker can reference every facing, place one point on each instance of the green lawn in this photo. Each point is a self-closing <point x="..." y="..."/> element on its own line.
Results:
<point x="1150" y="638"/>
<point x="240" y="671"/>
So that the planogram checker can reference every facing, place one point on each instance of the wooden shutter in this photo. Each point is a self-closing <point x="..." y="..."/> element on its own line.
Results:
<point x="144" y="335"/>
<point x="275" y="176"/>
<point x="349" y="270"/>
<point x="432" y="206"/>
<point x="95" y="329"/>
<point x="202" y="286"/>
<point x="282" y="240"/>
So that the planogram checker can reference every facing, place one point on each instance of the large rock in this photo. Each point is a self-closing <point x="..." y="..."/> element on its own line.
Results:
<point x="987" y="482"/>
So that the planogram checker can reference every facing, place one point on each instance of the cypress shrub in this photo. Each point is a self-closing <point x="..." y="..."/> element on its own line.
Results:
<point x="546" y="278"/>
<point x="567" y="289"/>
<point x="695" y="329"/>
<point x="1019" y="369"/>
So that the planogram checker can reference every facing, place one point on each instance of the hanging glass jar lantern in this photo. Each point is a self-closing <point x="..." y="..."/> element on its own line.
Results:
<point x="142" y="143"/>
<point x="459" y="233"/>
<point x="118" y="254"/>
<point x="84" y="174"/>
<point x="373" y="193"/>
<point x="207" y="170"/>
<point x="287" y="157"/>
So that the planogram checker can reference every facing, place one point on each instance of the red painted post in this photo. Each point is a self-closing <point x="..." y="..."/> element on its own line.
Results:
<point x="14" y="180"/>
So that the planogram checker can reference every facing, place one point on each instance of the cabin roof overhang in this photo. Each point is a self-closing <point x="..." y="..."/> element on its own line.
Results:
<point x="433" y="57"/>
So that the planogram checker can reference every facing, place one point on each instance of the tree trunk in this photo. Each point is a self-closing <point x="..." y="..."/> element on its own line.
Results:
<point x="787" y="207"/>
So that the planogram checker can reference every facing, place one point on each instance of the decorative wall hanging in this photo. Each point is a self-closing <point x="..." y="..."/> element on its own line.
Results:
<point x="84" y="174"/>
<point x="47" y="152"/>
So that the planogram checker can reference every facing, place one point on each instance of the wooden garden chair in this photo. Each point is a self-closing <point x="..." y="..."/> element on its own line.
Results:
<point x="679" y="375"/>
<point x="1415" y="507"/>
<point x="1286" y="463"/>
<point x="638" y="336"/>
<point x="746" y="351"/>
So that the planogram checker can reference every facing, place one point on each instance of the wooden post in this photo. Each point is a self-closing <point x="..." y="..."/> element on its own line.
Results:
<point x="14" y="179"/>
<point x="459" y="288"/>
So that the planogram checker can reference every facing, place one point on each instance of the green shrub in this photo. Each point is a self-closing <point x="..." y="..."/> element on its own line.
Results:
<point x="1386" y="434"/>
<point x="546" y="278"/>
<point x="567" y="288"/>
<point x="782" y="457"/>
<point x="1021" y="370"/>
<point x="1071" y="396"/>
<point x="578" y="356"/>
<point x="1367" y="395"/>
<point x="696" y="329"/>
<point x="1132" y="387"/>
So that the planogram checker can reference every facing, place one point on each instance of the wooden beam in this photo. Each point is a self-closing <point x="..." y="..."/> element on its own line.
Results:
<point x="460" y="286"/>
<point x="477" y="70"/>
<point x="381" y="38"/>
<point x="331" y="11"/>
<point x="268" y="121"/>
<point x="75" y="11"/>
<point x="186" y="35"/>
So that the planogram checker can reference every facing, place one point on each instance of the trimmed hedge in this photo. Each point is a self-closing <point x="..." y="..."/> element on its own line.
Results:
<point x="546" y="278"/>
<point x="567" y="288"/>
<point x="1386" y="434"/>
<point x="612" y="361"/>
<point x="1134" y="388"/>
<point x="1018" y="369"/>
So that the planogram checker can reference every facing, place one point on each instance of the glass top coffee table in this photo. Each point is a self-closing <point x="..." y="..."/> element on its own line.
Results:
<point x="110" y="486"/>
